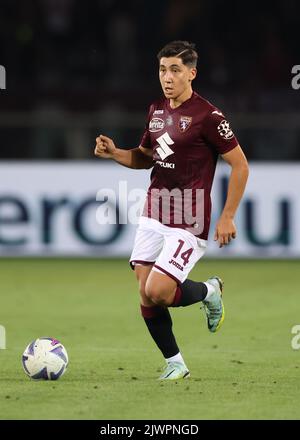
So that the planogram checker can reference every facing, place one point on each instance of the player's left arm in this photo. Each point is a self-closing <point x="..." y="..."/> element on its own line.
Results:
<point x="225" y="228"/>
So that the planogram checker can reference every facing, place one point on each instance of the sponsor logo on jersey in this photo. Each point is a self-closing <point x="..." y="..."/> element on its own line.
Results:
<point x="156" y="124"/>
<point x="164" y="149"/>
<point x="225" y="130"/>
<point x="158" y="112"/>
<point x="184" y="123"/>
<point x="165" y="164"/>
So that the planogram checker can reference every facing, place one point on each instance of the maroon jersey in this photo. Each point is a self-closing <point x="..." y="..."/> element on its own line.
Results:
<point x="186" y="142"/>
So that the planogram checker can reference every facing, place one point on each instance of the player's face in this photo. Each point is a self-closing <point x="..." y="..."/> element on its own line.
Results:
<point x="175" y="77"/>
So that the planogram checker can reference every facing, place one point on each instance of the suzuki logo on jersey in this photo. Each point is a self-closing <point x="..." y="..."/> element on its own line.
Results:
<point x="225" y="130"/>
<point x="156" y="124"/>
<point x="166" y="164"/>
<point x="184" y="123"/>
<point x="164" y="150"/>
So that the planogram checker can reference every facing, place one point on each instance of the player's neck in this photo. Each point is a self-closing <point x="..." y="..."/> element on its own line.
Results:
<point x="176" y="102"/>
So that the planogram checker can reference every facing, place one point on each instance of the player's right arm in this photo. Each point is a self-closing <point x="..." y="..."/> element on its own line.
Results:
<point x="136" y="158"/>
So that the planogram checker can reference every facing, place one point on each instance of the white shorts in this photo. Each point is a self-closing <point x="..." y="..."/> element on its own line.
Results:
<point x="172" y="251"/>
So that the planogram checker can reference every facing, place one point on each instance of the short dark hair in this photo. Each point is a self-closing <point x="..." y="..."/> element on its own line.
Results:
<point x="184" y="49"/>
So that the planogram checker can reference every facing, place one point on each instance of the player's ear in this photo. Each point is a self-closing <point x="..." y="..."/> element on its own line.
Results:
<point x="193" y="73"/>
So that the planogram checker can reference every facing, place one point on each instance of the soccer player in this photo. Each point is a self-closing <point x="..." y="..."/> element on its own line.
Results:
<point x="183" y="137"/>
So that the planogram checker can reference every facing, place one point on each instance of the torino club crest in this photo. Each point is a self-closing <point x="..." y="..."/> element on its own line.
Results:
<point x="184" y="123"/>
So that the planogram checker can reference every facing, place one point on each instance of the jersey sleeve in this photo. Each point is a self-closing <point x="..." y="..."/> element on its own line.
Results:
<point x="145" y="140"/>
<point x="217" y="132"/>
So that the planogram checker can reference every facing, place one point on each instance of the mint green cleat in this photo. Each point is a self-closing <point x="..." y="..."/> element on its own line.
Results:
<point x="214" y="307"/>
<point x="174" y="371"/>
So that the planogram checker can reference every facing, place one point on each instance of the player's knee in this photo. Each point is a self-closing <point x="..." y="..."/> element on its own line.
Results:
<point x="157" y="294"/>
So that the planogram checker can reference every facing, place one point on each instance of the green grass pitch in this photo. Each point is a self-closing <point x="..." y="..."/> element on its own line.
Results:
<point x="248" y="370"/>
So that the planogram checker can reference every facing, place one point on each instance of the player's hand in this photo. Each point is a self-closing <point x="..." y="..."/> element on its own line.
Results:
<point x="105" y="147"/>
<point x="225" y="231"/>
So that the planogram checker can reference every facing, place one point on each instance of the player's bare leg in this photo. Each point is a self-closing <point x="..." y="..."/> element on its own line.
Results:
<point x="142" y="272"/>
<point x="160" y="289"/>
<point x="158" y="320"/>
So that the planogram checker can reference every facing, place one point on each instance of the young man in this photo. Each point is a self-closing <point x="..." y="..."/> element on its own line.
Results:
<point x="183" y="137"/>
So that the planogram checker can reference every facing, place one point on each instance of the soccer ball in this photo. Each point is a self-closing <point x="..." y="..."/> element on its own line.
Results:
<point x="45" y="358"/>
